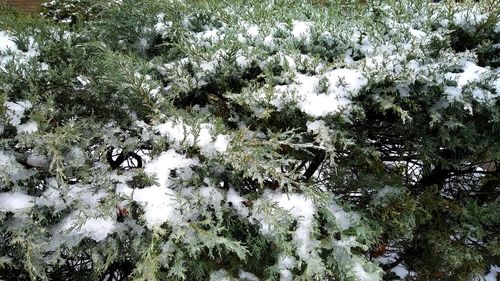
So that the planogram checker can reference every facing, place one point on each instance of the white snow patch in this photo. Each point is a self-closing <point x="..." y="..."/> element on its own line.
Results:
<point x="242" y="61"/>
<point x="4" y="158"/>
<point x="6" y="42"/>
<point x="470" y="17"/>
<point x="253" y="30"/>
<point x="212" y="195"/>
<point x="237" y="202"/>
<point x="493" y="274"/>
<point x="14" y="201"/>
<point x="315" y="127"/>
<point x="302" y="210"/>
<point x="361" y="273"/>
<point x="84" y="81"/>
<point x="29" y="127"/>
<point x="10" y="167"/>
<point x="159" y="201"/>
<point x="285" y="264"/>
<point x="401" y="271"/>
<point x="180" y="134"/>
<point x="37" y="160"/>
<point x="341" y="84"/>
<point x="472" y="73"/>
<point x="344" y="219"/>
<point x="247" y="276"/>
<point x="221" y="143"/>
<point x="269" y="42"/>
<point x="452" y="93"/>
<point x="496" y="84"/>
<point x="7" y="45"/>
<point x="301" y="29"/>
<point x="15" y="111"/>
<point x="220" y="275"/>
<point x="162" y="27"/>
<point x="96" y="228"/>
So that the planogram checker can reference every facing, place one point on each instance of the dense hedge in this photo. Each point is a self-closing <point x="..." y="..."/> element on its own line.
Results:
<point x="250" y="140"/>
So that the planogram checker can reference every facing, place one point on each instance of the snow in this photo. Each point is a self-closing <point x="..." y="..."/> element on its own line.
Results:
<point x="219" y="275"/>
<point x="209" y="67"/>
<point x="242" y="61"/>
<point x="247" y="276"/>
<point x="285" y="263"/>
<point x="315" y="126"/>
<point x="7" y="45"/>
<point x="178" y="133"/>
<point x="212" y="195"/>
<point x="221" y="143"/>
<point x="14" y="201"/>
<point x="166" y="162"/>
<point x="181" y="134"/>
<point x="269" y="42"/>
<point x="96" y="228"/>
<point x="344" y="219"/>
<point x="493" y="274"/>
<point x="341" y="84"/>
<point x="15" y="111"/>
<point x="471" y="73"/>
<point x="237" y="203"/>
<point x="208" y="37"/>
<point x="6" y="42"/>
<point x="84" y="81"/>
<point x="301" y="29"/>
<point x="496" y="85"/>
<point x="75" y="157"/>
<point x="361" y="273"/>
<point x="401" y="271"/>
<point x="159" y="201"/>
<point x="162" y="27"/>
<point x="4" y="159"/>
<point x="342" y="81"/>
<point x="253" y="30"/>
<point x="29" y="127"/>
<point x="417" y="33"/>
<point x="10" y="167"/>
<point x="470" y="17"/>
<point x="452" y="93"/>
<point x="302" y="210"/>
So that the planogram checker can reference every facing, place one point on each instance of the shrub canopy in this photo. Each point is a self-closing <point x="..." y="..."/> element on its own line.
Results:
<point x="250" y="140"/>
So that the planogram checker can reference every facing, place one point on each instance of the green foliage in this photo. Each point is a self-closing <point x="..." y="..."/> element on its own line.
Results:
<point x="217" y="140"/>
